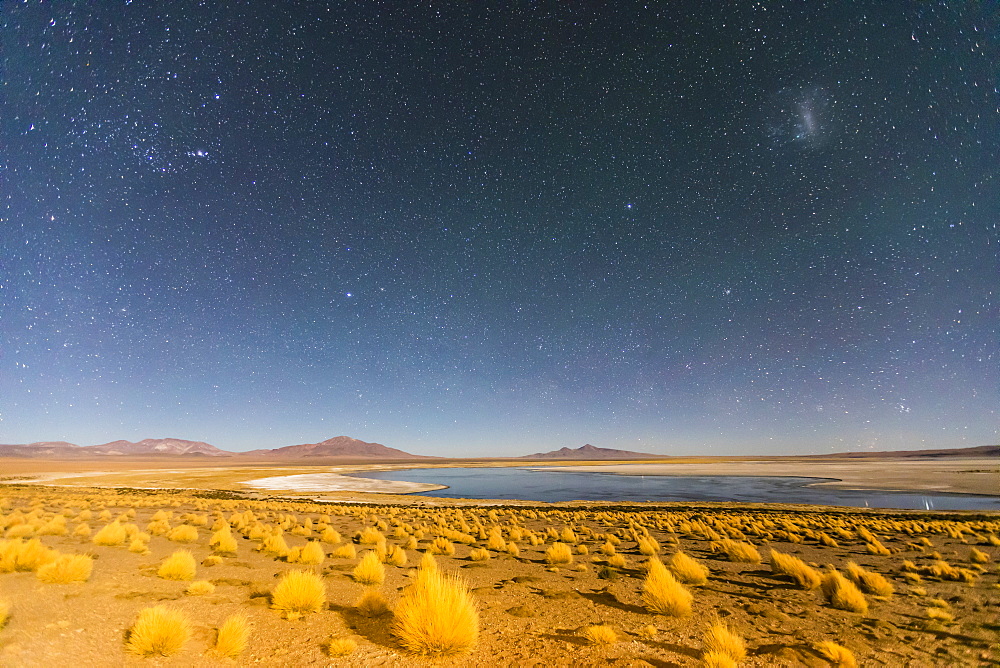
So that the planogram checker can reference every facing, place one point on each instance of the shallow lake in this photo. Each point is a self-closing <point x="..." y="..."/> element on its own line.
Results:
<point x="551" y="486"/>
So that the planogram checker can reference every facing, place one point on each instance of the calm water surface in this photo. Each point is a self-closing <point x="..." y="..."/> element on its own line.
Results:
<point x="551" y="486"/>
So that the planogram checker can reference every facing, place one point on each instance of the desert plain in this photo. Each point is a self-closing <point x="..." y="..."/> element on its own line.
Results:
<point x="534" y="584"/>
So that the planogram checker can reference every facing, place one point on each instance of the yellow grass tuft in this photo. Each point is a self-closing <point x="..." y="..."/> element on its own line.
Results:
<point x="212" y="560"/>
<point x="330" y="535"/>
<point x="66" y="568"/>
<point x="200" y="588"/>
<point x="837" y="655"/>
<point x="648" y="632"/>
<point x="479" y="554"/>
<point x="441" y="545"/>
<point x="223" y="541"/>
<point x="648" y="546"/>
<point x="185" y="533"/>
<point x="369" y="570"/>
<point x="804" y="575"/>
<point x="600" y="635"/>
<point x="178" y="566"/>
<point x="311" y="553"/>
<point x="158" y="630"/>
<point x="436" y="615"/>
<point x="558" y="553"/>
<point x="939" y="614"/>
<point x="396" y="556"/>
<point x="232" y="636"/>
<point x="138" y="546"/>
<point x="82" y="530"/>
<point x="112" y="535"/>
<point x="870" y="582"/>
<point x="717" y="660"/>
<point x="372" y="603"/>
<point x="978" y="556"/>
<point x="842" y="594"/>
<point x="340" y="646"/>
<point x="345" y="551"/>
<point x="738" y="551"/>
<point x="687" y="570"/>
<point x="297" y="593"/>
<point x="663" y="594"/>
<point x="370" y="536"/>
<point x="722" y="640"/>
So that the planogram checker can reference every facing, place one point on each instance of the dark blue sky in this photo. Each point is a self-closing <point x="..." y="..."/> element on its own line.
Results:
<point x="497" y="228"/>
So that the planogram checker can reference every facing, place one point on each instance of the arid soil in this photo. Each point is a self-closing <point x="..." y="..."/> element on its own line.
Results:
<point x="531" y="612"/>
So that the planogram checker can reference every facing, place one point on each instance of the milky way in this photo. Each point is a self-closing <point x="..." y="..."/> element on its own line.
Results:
<point x="501" y="228"/>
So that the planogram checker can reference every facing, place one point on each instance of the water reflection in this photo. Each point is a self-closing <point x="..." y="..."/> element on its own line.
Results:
<point x="552" y="486"/>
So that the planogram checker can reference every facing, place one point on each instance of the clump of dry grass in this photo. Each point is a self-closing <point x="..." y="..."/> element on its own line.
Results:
<point x="442" y="545"/>
<point x="369" y="570"/>
<point x="436" y="615"/>
<point x="138" y="546"/>
<point x="687" y="569"/>
<point x="24" y="555"/>
<point x="370" y="536"/>
<point x="297" y="593"/>
<point x="978" y="556"/>
<point x="738" y="551"/>
<point x="720" y="640"/>
<point x="837" y="655"/>
<point x="158" y="630"/>
<point x="223" y="541"/>
<point x="372" y="603"/>
<point x="479" y="554"/>
<point x="939" y="614"/>
<point x="804" y="575"/>
<point x="66" y="568"/>
<point x="396" y="556"/>
<point x="600" y="634"/>
<point x="648" y="546"/>
<point x="345" y="551"/>
<point x="82" y="530"/>
<point x="178" y="566"/>
<point x="663" y="594"/>
<point x="337" y="647"/>
<point x="869" y="581"/>
<point x="200" y="588"/>
<point x="111" y="535"/>
<point x="232" y="637"/>
<point x="185" y="533"/>
<point x="842" y="594"/>
<point x="558" y="553"/>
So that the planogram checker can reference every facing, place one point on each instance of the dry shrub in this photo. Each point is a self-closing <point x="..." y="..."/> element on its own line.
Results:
<point x="663" y="594"/>
<point x="66" y="568"/>
<point x="648" y="546"/>
<point x="345" y="551"/>
<point x="184" y="533"/>
<point x="200" y="588"/>
<point x="178" y="566"/>
<point x="617" y="561"/>
<point x="441" y="545"/>
<point x="876" y="547"/>
<point x="372" y="603"/>
<point x="138" y="546"/>
<point x="842" y="594"/>
<point x="513" y="550"/>
<point x="600" y="635"/>
<point x="223" y="541"/>
<point x="82" y="530"/>
<point x="436" y="615"/>
<point x="111" y="535"/>
<point x="396" y="556"/>
<point x="22" y="555"/>
<point x="648" y="632"/>
<point x="370" y="536"/>
<point x="232" y="636"/>
<point x="978" y="556"/>
<point x="716" y="660"/>
<point x="939" y="614"/>
<point x="870" y="582"/>
<point x="297" y="593"/>
<point x="687" y="570"/>
<point x="158" y="630"/>
<point x="212" y="560"/>
<point x="311" y="553"/>
<point x="721" y="640"/>
<point x="558" y="553"/>
<point x="369" y="570"/>
<point x="837" y="655"/>
<point x="738" y="551"/>
<point x="804" y="575"/>
<point x="330" y="535"/>
<point x="340" y="646"/>
<point x="54" y="527"/>
<point x="479" y="554"/>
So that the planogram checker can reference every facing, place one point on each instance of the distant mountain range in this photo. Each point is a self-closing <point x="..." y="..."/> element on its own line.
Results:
<point x="591" y="452"/>
<point x="340" y="446"/>
<point x="344" y="447"/>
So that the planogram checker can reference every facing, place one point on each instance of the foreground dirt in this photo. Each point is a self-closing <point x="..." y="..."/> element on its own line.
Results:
<point x="531" y="613"/>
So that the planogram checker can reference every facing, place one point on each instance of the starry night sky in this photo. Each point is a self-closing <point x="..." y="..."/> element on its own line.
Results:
<point x="495" y="228"/>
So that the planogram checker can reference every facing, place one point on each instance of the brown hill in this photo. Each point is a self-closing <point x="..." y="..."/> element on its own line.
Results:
<point x="156" y="446"/>
<point x="339" y="446"/>
<point x="974" y="452"/>
<point x="589" y="451"/>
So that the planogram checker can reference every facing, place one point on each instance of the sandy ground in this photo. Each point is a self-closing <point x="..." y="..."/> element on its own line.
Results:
<point x="531" y="613"/>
